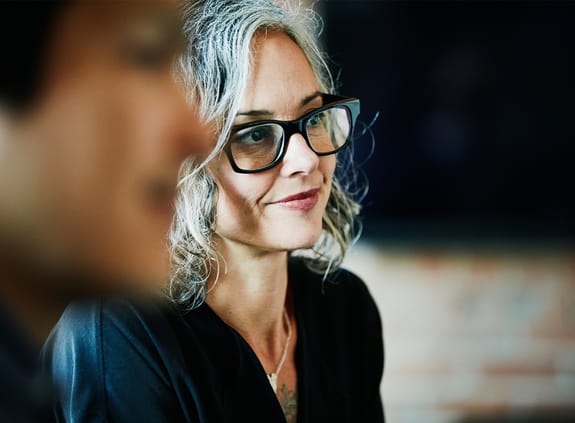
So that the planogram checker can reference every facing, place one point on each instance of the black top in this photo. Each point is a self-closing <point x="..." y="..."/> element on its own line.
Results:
<point x="26" y="393"/>
<point x="129" y="362"/>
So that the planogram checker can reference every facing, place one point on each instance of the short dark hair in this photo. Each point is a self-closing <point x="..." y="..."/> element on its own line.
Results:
<point x="25" y="33"/>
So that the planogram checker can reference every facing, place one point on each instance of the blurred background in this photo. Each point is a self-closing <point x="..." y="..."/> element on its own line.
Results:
<point x="469" y="223"/>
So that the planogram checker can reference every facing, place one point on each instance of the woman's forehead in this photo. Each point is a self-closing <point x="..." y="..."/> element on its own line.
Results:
<point x="281" y="76"/>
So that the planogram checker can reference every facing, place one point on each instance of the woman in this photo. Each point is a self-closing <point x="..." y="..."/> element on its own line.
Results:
<point x="261" y="327"/>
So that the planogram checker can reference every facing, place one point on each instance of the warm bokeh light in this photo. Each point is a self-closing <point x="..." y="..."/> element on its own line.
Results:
<point x="474" y="333"/>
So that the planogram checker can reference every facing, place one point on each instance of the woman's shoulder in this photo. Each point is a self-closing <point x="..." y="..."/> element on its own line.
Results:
<point x="341" y="283"/>
<point x="339" y="321"/>
<point x="341" y="296"/>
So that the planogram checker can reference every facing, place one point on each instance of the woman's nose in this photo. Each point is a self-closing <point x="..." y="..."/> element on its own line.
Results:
<point x="299" y="157"/>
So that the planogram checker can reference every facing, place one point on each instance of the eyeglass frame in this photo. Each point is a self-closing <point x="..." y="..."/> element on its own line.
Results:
<point x="297" y="126"/>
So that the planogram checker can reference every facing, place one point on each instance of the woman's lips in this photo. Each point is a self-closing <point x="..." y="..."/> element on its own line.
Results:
<point x="303" y="201"/>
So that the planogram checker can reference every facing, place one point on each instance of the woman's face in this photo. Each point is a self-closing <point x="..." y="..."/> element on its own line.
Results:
<point x="97" y="158"/>
<point x="279" y="209"/>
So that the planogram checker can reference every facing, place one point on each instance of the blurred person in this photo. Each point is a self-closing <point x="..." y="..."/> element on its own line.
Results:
<point x="262" y="324"/>
<point x="93" y="129"/>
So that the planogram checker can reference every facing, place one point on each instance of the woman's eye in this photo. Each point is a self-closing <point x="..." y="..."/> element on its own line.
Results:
<point x="316" y="120"/>
<point x="254" y="136"/>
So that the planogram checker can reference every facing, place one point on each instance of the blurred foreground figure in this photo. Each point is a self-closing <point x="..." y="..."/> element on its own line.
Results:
<point x="93" y="128"/>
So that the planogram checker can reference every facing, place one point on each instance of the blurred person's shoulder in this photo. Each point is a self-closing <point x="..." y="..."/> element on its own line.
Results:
<point x="102" y="349"/>
<point x="25" y="393"/>
<point x="90" y="324"/>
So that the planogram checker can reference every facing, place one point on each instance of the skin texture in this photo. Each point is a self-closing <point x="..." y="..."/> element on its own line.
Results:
<point x="255" y="232"/>
<point x="88" y="172"/>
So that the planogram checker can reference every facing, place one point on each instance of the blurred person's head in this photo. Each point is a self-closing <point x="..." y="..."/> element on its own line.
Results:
<point x="93" y="129"/>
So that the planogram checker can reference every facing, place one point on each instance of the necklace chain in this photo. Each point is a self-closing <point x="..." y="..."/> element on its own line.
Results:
<point x="272" y="377"/>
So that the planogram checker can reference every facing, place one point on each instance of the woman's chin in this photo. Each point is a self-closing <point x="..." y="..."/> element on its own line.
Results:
<point x="301" y="241"/>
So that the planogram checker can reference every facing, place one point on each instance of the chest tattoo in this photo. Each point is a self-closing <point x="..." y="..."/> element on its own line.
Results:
<point x="288" y="401"/>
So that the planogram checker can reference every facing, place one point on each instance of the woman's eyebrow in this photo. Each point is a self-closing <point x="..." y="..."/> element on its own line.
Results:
<point x="255" y="113"/>
<point x="268" y="113"/>
<point x="309" y="99"/>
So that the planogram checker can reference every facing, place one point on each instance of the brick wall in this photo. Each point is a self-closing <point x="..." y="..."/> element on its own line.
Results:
<point x="474" y="335"/>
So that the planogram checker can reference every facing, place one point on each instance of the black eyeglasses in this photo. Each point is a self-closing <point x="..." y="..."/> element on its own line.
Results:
<point x="260" y="145"/>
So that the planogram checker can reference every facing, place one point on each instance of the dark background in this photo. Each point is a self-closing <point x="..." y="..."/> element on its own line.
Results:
<point x="476" y="131"/>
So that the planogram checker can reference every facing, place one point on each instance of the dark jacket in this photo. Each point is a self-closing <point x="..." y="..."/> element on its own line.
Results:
<point x="123" y="361"/>
<point x="26" y="393"/>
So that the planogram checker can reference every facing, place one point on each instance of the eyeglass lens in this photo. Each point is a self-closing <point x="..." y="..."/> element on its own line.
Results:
<point x="258" y="146"/>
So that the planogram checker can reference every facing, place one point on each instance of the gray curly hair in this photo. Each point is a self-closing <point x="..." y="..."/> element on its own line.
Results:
<point x="215" y="69"/>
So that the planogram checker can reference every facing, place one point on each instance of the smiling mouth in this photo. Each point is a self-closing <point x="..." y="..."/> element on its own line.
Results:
<point x="303" y="201"/>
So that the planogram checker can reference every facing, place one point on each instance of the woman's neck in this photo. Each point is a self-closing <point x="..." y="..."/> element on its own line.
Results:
<point x="251" y="293"/>
<point x="252" y="296"/>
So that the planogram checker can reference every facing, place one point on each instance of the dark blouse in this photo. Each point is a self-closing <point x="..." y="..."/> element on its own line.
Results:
<point x="123" y="361"/>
